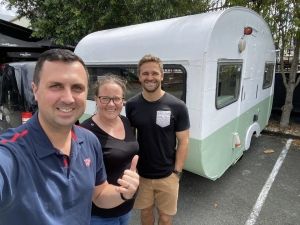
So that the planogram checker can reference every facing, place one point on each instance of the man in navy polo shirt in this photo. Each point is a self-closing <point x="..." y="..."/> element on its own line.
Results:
<point x="50" y="169"/>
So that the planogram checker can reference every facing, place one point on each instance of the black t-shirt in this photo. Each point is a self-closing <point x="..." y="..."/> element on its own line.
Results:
<point x="157" y="123"/>
<point x="117" y="156"/>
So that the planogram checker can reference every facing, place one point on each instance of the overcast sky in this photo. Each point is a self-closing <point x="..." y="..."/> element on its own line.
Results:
<point x="4" y="13"/>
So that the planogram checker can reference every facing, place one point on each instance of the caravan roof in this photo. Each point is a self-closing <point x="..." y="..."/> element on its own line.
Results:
<point x="193" y="36"/>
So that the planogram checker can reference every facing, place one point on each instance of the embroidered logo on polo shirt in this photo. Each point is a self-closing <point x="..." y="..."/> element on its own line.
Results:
<point x="87" y="162"/>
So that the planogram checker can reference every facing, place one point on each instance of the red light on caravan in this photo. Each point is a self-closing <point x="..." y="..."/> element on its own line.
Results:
<point x="248" y="30"/>
<point x="25" y="116"/>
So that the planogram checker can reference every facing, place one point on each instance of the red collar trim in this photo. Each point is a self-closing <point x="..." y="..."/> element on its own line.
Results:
<point x="73" y="135"/>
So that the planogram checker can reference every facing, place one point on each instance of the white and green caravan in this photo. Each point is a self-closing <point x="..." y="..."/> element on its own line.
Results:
<point x="220" y="63"/>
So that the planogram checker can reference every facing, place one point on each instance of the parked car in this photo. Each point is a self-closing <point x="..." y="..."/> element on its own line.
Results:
<point x="16" y="98"/>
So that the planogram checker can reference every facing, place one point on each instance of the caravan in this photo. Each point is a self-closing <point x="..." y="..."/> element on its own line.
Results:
<point x="220" y="63"/>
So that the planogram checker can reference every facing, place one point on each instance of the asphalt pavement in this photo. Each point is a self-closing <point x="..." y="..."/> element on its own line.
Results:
<point x="262" y="188"/>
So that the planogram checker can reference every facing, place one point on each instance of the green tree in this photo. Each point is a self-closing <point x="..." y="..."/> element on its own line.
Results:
<point x="67" y="21"/>
<point x="284" y="21"/>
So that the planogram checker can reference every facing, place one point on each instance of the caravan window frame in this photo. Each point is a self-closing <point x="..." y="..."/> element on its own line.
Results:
<point x="222" y="101"/>
<point x="129" y="72"/>
<point x="268" y="75"/>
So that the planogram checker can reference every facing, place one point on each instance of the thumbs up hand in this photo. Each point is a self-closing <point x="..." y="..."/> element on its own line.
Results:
<point x="129" y="182"/>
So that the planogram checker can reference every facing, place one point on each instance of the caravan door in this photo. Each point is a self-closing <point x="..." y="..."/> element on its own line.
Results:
<point x="229" y="84"/>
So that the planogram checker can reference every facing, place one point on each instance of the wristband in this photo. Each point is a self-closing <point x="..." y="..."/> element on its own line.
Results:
<point x="178" y="173"/>
<point x="123" y="198"/>
<point x="126" y="199"/>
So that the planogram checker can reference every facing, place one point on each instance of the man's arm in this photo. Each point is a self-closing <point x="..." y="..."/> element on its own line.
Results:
<point x="109" y="196"/>
<point x="8" y="176"/>
<point x="182" y="149"/>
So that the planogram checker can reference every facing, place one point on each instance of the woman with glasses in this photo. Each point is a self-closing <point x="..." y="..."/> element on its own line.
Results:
<point x="118" y="143"/>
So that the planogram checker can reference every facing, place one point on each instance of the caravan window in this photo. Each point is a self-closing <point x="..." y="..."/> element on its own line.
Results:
<point x="268" y="75"/>
<point x="174" y="79"/>
<point x="128" y="72"/>
<point x="228" y="83"/>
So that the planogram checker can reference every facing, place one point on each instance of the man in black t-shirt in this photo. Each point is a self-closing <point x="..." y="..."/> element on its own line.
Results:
<point x="162" y="125"/>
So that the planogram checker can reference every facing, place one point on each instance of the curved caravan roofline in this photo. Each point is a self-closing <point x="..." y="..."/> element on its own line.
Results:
<point x="185" y="38"/>
<point x="190" y="35"/>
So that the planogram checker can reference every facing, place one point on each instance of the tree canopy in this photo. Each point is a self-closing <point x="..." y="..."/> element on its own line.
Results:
<point x="67" y="21"/>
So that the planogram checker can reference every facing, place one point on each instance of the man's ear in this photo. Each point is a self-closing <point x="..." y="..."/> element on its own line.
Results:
<point x="34" y="90"/>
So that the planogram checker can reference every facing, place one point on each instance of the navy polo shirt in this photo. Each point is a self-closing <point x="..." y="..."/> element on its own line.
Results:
<point x="41" y="186"/>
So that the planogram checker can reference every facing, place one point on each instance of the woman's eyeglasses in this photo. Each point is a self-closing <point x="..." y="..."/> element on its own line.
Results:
<point x="107" y="99"/>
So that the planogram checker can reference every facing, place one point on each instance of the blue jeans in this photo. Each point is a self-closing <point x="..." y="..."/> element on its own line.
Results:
<point x="120" y="220"/>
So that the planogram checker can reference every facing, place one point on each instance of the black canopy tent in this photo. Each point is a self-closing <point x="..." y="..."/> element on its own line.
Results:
<point x="14" y="49"/>
<point x="17" y="43"/>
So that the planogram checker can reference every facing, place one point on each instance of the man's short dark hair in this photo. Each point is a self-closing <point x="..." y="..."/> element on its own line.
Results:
<point x="150" y="58"/>
<point x="62" y="55"/>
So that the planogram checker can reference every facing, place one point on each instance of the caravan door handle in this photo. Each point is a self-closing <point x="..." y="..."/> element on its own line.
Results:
<point x="242" y="93"/>
<point x="256" y="90"/>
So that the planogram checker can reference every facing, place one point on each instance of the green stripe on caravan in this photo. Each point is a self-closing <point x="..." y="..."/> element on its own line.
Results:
<point x="220" y="63"/>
